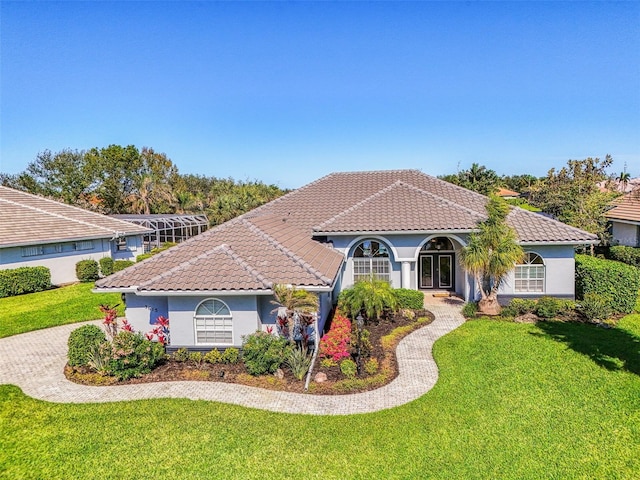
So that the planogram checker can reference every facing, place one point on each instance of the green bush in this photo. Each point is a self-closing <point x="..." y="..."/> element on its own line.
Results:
<point x="596" y="307"/>
<point x="133" y="355"/>
<point x="614" y="280"/>
<point x="87" y="270"/>
<point x="469" y="309"/>
<point x="231" y="355"/>
<point x="82" y="344"/>
<point x="628" y="255"/>
<point x="106" y="266"/>
<point x="413" y="299"/>
<point x="213" y="356"/>
<point x="548" y="307"/>
<point x="348" y="368"/>
<point x="372" y="297"/>
<point x="197" y="358"/>
<point x="522" y="306"/>
<point x="371" y="366"/>
<point x="264" y="353"/>
<point x="121" y="265"/>
<point x="21" y="280"/>
<point x="181" y="355"/>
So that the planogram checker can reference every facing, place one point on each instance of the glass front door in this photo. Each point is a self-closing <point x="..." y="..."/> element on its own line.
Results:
<point x="436" y="271"/>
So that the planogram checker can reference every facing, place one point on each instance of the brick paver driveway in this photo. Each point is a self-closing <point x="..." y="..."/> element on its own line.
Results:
<point x="34" y="361"/>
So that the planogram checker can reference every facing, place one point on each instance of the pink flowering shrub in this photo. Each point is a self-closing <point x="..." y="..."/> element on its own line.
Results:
<point x="335" y="343"/>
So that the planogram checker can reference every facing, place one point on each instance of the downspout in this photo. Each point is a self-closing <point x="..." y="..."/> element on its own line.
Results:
<point x="316" y="347"/>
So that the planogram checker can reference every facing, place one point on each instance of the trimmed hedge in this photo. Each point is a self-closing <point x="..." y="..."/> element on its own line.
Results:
<point x="613" y="280"/>
<point x="106" y="266"/>
<point x="21" y="280"/>
<point x="413" y="299"/>
<point x="87" y="270"/>
<point x="628" y="255"/>
<point x="122" y="264"/>
<point x="82" y="342"/>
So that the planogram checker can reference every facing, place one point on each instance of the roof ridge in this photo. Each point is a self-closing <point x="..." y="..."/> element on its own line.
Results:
<point x="548" y="219"/>
<point x="386" y="189"/>
<point x="57" y="215"/>
<point x="65" y="205"/>
<point x="240" y="261"/>
<point x="296" y="258"/>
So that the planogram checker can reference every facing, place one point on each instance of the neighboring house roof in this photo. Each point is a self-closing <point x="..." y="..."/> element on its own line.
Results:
<point x="627" y="208"/>
<point x="505" y="192"/>
<point x="280" y="242"/>
<point x="27" y="219"/>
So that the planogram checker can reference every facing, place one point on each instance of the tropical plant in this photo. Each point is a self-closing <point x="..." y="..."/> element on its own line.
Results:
<point x="334" y="345"/>
<point x="264" y="353"/>
<point x="299" y="361"/>
<point x="372" y="297"/>
<point x="491" y="254"/>
<point x="295" y="312"/>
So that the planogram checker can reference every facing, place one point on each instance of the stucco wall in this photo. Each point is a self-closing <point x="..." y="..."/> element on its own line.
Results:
<point x="62" y="265"/>
<point x="135" y="247"/>
<point x="142" y="312"/>
<point x="626" y="233"/>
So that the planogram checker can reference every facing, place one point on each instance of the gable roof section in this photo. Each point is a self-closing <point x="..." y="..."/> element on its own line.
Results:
<point x="27" y="219"/>
<point x="279" y="241"/>
<point x="626" y="208"/>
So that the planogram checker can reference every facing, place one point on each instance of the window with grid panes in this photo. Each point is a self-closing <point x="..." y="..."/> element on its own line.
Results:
<point x="213" y="323"/>
<point x="530" y="275"/>
<point x="371" y="258"/>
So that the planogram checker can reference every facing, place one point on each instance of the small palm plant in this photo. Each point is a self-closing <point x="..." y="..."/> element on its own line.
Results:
<point x="372" y="297"/>
<point x="293" y="304"/>
<point x="491" y="254"/>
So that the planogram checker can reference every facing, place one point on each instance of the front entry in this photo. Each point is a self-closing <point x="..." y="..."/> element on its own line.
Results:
<point x="437" y="271"/>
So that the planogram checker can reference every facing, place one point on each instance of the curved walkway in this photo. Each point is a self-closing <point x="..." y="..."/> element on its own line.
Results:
<point x="35" y="361"/>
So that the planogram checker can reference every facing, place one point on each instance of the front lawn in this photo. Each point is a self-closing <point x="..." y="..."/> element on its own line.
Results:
<point x="33" y="311"/>
<point x="519" y="401"/>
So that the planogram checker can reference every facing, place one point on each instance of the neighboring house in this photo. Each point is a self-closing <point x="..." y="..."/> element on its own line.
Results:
<point x="163" y="228"/>
<point x="507" y="194"/>
<point x="36" y="231"/>
<point x="624" y="218"/>
<point x="403" y="226"/>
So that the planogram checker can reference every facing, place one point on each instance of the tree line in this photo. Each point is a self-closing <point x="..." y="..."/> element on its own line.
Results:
<point x="120" y="180"/>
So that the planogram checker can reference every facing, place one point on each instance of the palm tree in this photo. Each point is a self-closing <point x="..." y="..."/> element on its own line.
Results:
<point x="293" y="304"/>
<point x="491" y="254"/>
<point x="624" y="180"/>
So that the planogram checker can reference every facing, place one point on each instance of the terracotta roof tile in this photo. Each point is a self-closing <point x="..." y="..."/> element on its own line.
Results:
<point x="626" y="208"/>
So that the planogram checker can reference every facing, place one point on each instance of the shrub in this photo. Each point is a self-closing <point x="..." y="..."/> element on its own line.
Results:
<point x="412" y="299"/>
<point x="121" y="265"/>
<point x="181" y="355"/>
<point x="132" y="355"/>
<point x="87" y="270"/>
<point x="470" y="309"/>
<point x="264" y="353"/>
<point x="373" y="297"/>
<point x="82" y="342"/>
<point x="335" y="343"/>
<point x="328" y="363"/>
<point x="213" y="356"/>
<point x="628" y="255"/>
<point x="21" y="280"/>
<point x="371" y="366"/>
<point x="298" y="361"/>
<point x="548" y="307"/>
<point x="522" y="306"/>
<point x="348" y="368"/>
<point x="596" y="307"/>
<point x="106" y="266"/>
<point x="197" y="358"/>
<point x="614" y="280"/>
<point x="231" y="355"/>
<point x="364" y="342"/>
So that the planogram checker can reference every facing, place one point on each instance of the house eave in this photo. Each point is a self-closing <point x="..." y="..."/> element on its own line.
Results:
<point x="628" y="222"/>
<point x="391" y="232"/>
<point x="558" y="242"/>
<point x="199" y="293"/>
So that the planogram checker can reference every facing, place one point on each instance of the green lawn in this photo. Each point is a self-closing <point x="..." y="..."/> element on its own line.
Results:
<point x="74" y="303"/>
<point x="547" y="401"/>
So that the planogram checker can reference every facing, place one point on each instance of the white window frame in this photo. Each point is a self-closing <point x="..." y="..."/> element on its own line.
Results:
<point x="376" y="263"/>
<point x="84" y="245"/>
<point x="216" y="321"/>
<point x="530" y="277"/>
<point x="33" y="251"/>
<point x="121" y="244"/>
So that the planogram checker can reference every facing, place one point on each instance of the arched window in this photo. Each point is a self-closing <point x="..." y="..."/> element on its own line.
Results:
<point x="438" y="244"/>
<point x="371" y="258"/>
<point x="213" y="323"/>
<point x="530" y="274"/>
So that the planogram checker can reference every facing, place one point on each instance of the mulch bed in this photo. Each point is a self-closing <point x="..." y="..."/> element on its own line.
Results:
<point x="171" y="370"/>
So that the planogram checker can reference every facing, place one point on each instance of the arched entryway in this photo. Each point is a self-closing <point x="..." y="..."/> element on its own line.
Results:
<point x="437" y="265"/>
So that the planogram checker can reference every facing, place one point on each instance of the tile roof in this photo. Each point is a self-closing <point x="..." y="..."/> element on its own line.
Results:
<point x="626" y="208"/>
<point x="275" y="242"/>
<point x="27" y="219"/>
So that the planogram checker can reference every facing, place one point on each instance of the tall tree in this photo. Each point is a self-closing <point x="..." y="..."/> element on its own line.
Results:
<point x="478" y="178"/>
<point x="491" y="254"/>
<point x="152" y="192"/>
<point x="573" y="196"/>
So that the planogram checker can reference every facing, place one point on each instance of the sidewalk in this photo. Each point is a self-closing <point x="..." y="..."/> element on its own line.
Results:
<point x="34" y="361"/>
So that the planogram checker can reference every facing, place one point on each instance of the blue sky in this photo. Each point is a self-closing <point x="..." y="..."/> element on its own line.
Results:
<point x="286" y="92"/>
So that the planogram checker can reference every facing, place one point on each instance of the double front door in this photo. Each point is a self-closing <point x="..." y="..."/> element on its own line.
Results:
<point x="437" y="271"/>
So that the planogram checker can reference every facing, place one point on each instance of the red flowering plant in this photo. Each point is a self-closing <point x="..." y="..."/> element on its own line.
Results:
<point x="110" y="321"/>
<point x="160" y="331"/>
<point x="335" y="343"/>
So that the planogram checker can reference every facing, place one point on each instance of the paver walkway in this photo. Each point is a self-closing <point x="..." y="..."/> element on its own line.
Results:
<point x="35" y="361"/>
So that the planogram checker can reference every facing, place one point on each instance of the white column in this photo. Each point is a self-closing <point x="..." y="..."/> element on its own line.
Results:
<point x="406" y="274"/>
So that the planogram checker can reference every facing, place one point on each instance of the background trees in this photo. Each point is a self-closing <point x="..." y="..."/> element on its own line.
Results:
<point x="118" y="179"/>
<point x="477" y="178"/>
